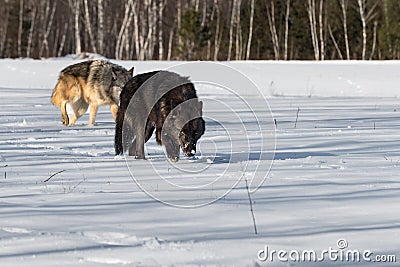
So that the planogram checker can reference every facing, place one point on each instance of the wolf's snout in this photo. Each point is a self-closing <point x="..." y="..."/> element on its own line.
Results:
<point x="190" y="149"/>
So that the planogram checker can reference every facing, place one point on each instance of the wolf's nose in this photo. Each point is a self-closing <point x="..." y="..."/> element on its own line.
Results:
<point x="190" y="153"/>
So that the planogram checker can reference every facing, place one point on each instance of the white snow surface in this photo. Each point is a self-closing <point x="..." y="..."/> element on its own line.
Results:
<point x="335" y="174"/>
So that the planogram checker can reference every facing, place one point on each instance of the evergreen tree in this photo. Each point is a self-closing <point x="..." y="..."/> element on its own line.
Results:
<point x="193" y="34"/>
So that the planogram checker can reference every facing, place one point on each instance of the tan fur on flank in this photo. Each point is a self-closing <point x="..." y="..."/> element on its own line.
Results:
<point x="93" y="83"/>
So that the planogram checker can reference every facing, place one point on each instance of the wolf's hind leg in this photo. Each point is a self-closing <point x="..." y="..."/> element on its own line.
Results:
<point x="93" y="112"/>
<point x="64" y="114"/>
<point x="158" y="136"/>
<point x="114" y="110"/>
<point x="118" y="132"/>
<point x="149" y="131"/>
<point x="79" y="108"/>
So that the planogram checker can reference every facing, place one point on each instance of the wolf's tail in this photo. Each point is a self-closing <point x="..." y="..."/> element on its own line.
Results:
<point x="68" y="88"/>
<point x="57" y="95"/>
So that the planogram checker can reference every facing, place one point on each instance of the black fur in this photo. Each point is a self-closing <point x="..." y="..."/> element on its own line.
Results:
<point x="182" y="130"/>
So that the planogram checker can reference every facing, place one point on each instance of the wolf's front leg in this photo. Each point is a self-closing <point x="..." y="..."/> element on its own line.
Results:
<point x="132" y="148"/>
<point x="140" y="144"/>
<point x="93" y="112"/>
<point x="172" y="148"/>
<point x="64" y="114"/>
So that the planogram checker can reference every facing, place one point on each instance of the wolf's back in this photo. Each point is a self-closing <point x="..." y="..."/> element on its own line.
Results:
<point x="81" y="69"/>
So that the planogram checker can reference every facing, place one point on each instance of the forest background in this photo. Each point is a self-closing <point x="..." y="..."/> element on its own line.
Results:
<point x="202" y="30"/>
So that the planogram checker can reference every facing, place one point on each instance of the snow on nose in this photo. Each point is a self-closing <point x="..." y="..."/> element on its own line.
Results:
<point x="193" y="151"/>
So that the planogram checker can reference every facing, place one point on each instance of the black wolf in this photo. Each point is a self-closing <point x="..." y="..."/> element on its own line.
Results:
<point x="94" y="83"/>
<point x="155" y="95"/>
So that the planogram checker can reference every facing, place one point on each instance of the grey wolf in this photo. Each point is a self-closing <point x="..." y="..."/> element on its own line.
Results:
<point x="94" y="83"/>
<point x="145" y="103"/>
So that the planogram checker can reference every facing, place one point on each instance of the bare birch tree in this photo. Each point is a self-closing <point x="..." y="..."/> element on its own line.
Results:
<point x="238" y="32"/>
<point x="233" y="16"/>
<point x="272" y="28"/>
<point x="3" y="26"/>
<point x="334" y="42"/>
<point x="203" y="23"/>
<point x="136" y="11"/>
<point x="343" y="4"/>
<point x="250" y="30"/>
<point x="63" y="38"/>
<point x="21" y="17"/>
<point x="217" y="38"/>
<point x="179" y="21"/>
<point x="366" y="16"/>
<point x="361" y="5"/>
<point x="233" y="29"/>
<point x="100" y="27"/>
<point x="122" y="33"/>
<point x="153" y="24"/>
<point x="203" y="19"/>
<point x="48" y="16"/>
<point x="321" y="29"/>
<point x="313" y="27"/>
<point x="170" y="41"/>
<point x="147" y="27"/>
<point x="388" y="37"/>
<point x="374" y="40"/>
<point x="89" y="26"/>
<point x="31" y="29"/>
<point x="78" y="49"/>
<point x="160" y="30"/>
<point x="285" y="56"/>
<point x="143" y="28"/>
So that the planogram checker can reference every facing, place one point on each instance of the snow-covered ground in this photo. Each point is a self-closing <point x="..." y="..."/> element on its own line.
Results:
<point x="335" y="174"/>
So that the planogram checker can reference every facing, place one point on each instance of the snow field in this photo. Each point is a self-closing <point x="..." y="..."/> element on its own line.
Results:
<point x="335" y="175"/>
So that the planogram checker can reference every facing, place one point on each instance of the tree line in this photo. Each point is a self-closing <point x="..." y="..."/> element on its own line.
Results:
<point x="202" y="29"/>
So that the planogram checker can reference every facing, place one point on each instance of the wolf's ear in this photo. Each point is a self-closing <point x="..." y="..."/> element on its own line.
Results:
<point x="131" y="71"/>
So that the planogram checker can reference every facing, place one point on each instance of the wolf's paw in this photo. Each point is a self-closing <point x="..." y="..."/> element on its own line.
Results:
<point x="140" y="157"/>
<point x="173" y="159"/>
<point x="65" y="121"/>
<point x="118" y="157"/>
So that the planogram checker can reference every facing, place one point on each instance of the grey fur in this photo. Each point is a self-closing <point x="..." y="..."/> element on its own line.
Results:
<point x="94" y="83"/>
